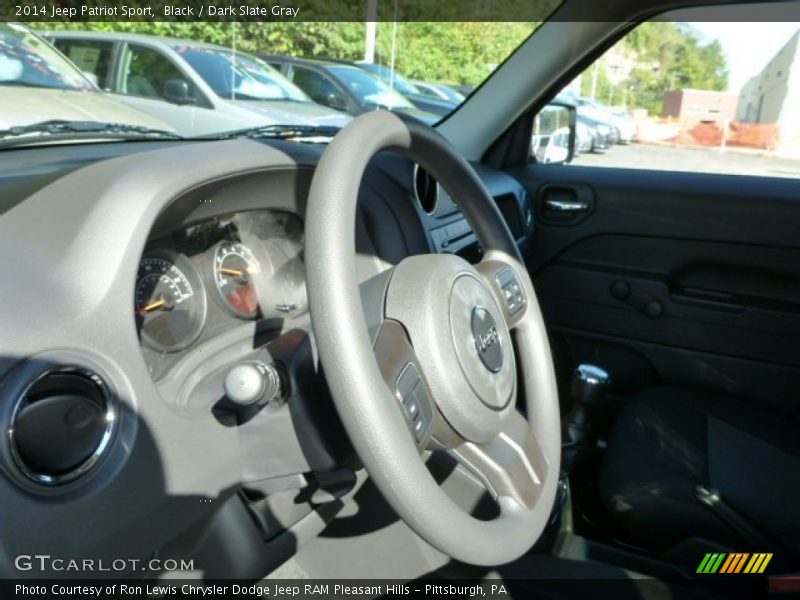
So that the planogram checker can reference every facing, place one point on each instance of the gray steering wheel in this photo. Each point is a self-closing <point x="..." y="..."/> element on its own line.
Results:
<point x="441" y="371"/>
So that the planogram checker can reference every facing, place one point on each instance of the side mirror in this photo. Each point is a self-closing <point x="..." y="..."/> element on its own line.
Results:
<point x="335" y="101"/>
<point x="177" y="92"/>
<point x="553" y="134"/>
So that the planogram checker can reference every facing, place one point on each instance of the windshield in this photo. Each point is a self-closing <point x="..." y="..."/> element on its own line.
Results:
<point x="238" y="76"/>
<point x="27" y="60"/>
<point x="216" y="78"/>
<point x="369" y="89"/>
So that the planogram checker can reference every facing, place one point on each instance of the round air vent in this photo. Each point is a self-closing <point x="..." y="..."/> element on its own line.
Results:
<point x="62" y="425"/>
<point x="426" y="189"/>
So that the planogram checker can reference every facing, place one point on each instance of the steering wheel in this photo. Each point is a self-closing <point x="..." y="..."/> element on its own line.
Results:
<point x="441" y="372"/>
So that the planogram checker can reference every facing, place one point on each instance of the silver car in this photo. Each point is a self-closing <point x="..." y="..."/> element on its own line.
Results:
<point x="198" y="88"/>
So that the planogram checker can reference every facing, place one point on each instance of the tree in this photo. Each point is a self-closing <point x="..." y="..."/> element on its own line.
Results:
<point x="670" y="56"/>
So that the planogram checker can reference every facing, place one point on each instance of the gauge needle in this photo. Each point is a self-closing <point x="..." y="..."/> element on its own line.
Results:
<point x="152" y="306"/>
<point x="232" y="272"/>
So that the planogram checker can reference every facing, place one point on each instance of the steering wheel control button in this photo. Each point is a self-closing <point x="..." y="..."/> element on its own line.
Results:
<point x="512" y="291"/>
<point x="487" y="339"/>
<point x="252" y="383"/>
<point x="62" y="425"/>
<point x="412" y="395"/>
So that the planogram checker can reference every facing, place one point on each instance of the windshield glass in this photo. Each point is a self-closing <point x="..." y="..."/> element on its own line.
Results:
<point x="28" y="60"/>
<point x="238" y="76"/>
<point x="369" y="89"/>
<point x="182" y="76"/>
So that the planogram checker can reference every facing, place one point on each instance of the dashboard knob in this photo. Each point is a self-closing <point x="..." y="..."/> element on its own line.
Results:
<point x="253" y="383"/>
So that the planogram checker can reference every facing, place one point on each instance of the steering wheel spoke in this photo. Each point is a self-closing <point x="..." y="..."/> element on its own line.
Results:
<point x="510" y="466"/>
<point x="402" y="373"/>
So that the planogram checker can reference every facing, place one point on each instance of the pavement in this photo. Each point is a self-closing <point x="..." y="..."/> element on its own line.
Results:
<point x="732" y="161"/>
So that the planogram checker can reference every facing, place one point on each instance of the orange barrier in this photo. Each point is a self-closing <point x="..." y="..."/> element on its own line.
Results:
<point x="754" y="135"/>
<point x="762" y="136"/>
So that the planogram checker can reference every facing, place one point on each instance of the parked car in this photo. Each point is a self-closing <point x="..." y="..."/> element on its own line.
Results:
<point x="39" y="84"/>
<point x="441" y="91"/>
<point x="603" y="135"/>
<point x="584" y="136"/>
<point x="344" y="87"/>
<point x="624" y="127"/>
<point x="409" y="90"/>
<point x="198" y="88"/>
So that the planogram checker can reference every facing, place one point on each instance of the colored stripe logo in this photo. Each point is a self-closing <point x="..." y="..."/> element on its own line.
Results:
<point x="734" y="562"/>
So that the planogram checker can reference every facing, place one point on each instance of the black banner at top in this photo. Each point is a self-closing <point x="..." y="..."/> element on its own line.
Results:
<point x="534" y="11"/>
<point x="277" y="10"/>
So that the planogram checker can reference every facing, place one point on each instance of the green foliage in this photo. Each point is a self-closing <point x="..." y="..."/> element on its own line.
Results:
<point x="437" y="51"/>
<point x="670" y="56"/>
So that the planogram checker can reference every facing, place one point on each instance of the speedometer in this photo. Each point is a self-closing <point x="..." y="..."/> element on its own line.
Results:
<point x="235" y="270"/>
<point x="169" y="301"/>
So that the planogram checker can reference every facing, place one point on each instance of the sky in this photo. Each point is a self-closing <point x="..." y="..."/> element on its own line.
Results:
<point x="747" y="46"/>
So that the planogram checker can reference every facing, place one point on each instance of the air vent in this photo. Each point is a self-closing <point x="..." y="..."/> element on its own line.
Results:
<point x="426" y="188"/>
<point x="62" y="425"/>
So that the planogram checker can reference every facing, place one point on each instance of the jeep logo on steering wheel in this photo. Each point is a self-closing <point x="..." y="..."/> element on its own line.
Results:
<point x="487" y="339"/>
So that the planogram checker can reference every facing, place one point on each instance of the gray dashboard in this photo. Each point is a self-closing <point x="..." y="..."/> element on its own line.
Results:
<point x="76" y="224"/>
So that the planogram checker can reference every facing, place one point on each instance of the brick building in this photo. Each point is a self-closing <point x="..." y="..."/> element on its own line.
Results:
<point x="699" y="105"/>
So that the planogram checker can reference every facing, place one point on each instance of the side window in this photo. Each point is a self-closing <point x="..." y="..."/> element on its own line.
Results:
<point x="145" y="73"/>
<point x="707" y="95"/>
<point x="92" y="57"/>
<point x="319" y="88"/>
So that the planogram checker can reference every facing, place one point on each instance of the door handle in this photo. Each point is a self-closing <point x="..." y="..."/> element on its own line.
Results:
<point x="564" y="206"/>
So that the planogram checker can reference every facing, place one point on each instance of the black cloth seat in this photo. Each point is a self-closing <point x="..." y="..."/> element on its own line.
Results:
<point x="669" y="441"/>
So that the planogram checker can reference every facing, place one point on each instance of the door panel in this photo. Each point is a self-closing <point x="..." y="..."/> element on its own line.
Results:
<point x="675" y="278"/>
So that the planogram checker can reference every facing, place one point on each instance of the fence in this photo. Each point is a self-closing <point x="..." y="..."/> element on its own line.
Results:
<point x="760" y="136"/>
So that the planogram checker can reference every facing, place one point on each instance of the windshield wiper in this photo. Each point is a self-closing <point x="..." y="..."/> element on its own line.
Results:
<point x="280" y="132"/>
<point x="61" y="129"/>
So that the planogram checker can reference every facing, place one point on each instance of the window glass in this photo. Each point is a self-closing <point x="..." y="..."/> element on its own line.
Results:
<point x="238" y="76"/>
<point x="26" y="60"/>
<point x="146" y="72"/>
<point x="370" y="90"/>
<point x="683" y="95"/>
<point x="317" y="86"/>
<point x="90" y="57"/>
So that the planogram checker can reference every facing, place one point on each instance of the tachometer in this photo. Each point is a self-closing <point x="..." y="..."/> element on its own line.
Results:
<point x="169" y="301"/>
<point x="235" y="269"/>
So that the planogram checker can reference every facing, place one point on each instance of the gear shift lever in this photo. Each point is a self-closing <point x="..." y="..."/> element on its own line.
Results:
<point x="588" y="386"/>
<point x="589" y="383"/>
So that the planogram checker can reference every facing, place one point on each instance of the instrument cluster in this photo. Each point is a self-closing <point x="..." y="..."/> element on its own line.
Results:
<point x="196" y="282"/>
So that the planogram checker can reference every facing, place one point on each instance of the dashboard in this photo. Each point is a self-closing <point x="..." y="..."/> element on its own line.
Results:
<point x="155" y="268"/>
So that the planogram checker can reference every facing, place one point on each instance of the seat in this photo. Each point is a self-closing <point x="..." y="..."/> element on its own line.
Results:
<point x="683" y="464"/>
